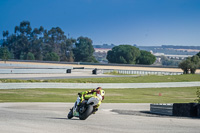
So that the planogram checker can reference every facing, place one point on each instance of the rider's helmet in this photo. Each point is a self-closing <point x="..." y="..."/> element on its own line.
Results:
<point x="98" y="88"/>
<point x="102" y="92"/>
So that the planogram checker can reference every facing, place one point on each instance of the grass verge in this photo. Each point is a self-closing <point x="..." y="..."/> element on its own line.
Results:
<point x="138" y="79"/>
<point x="144" y="95"/>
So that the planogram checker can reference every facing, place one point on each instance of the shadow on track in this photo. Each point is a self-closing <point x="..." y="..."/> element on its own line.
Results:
<point x="61" y="118"/>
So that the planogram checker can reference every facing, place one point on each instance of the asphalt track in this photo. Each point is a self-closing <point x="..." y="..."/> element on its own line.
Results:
<point x="52" y="118"/>
<point x="95" y="85"/>
<point x="82" y="73"/>
<point x="58" y="76"/>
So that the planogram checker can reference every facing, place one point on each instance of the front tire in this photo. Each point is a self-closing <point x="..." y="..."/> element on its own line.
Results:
<point x="70" y="114"/>
<point x="88" y="112"/>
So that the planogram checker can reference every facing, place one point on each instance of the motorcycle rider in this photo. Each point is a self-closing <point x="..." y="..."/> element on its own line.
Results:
<point x="97" y="93"/>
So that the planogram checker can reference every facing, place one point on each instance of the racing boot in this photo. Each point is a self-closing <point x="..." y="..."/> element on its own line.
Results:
<point x="95" y="110"/>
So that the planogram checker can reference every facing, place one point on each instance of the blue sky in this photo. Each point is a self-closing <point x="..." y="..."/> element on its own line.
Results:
<point x="141" y="22"/>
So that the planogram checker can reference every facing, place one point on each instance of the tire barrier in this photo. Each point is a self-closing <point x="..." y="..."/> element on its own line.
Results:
<point x="185" y="109"/>
<point x="176" y="109"/>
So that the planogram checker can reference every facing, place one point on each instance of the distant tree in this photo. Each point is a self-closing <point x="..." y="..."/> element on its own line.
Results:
<point x="146" y="58"/>
<point x="22" y="56"/>
<point x="20" y="41"/>
<point x="169" y="62"/>
<point x="84" y="50"/>
<point x="30" y="56"/>
<point x="195" y="63"/>
<point x="4" y="54"/>
<point x="91" y="59"/>
<point x="56" y="38"/>
<point x="185" y="66"/>
<point x="11" y="54"/>
<point x="51" y="57"/>
<point x="190" y="64"/>
<point x="198" y="54"/>
<point x="5" y="34"/>
<point x="125" y="54"/>
<point x="55" y="41"/>
<point x="67" y="50"/>
<point x="36" y="41"/>
<point x="24" y="28"/>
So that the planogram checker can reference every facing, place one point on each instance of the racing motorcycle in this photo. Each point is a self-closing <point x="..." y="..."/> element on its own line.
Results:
<point x="84" y="109"/>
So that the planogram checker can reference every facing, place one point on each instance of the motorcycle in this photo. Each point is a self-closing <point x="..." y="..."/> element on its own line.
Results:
<point x="84" y="109"/>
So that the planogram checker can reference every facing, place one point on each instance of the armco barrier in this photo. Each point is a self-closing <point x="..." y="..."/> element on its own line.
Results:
<point x="164" y="109"/>
<point x="139" y="72"/>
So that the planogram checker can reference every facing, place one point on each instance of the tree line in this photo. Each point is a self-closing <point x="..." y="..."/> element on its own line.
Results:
<point x="42" y="44"/>
<point x="27" y="43"/>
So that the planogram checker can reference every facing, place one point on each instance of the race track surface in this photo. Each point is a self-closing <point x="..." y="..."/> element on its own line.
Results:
<point x="52" y="118"/>
<point x="94" y="85"/>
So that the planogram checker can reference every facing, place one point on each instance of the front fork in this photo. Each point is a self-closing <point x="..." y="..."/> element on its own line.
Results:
<point x="75" y="113"/>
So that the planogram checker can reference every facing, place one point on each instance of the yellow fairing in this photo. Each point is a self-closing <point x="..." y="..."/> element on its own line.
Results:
<point x="89" y="96"/>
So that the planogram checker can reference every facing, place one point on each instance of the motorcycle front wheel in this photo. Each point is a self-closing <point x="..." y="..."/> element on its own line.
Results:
<point x="70" y="114"/>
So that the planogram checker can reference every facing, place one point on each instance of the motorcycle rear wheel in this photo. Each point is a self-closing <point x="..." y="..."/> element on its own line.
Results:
<point x="88" y="112"/>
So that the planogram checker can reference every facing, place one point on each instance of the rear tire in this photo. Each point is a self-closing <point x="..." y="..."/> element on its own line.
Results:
<point x="87" y="113"/>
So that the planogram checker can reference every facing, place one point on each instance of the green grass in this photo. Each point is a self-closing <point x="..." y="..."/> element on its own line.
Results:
<point x="144" y="95"/>
<point x="139" y="79"/>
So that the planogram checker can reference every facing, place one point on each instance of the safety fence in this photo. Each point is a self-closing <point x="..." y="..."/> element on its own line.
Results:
<point x="137" y="72"/>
